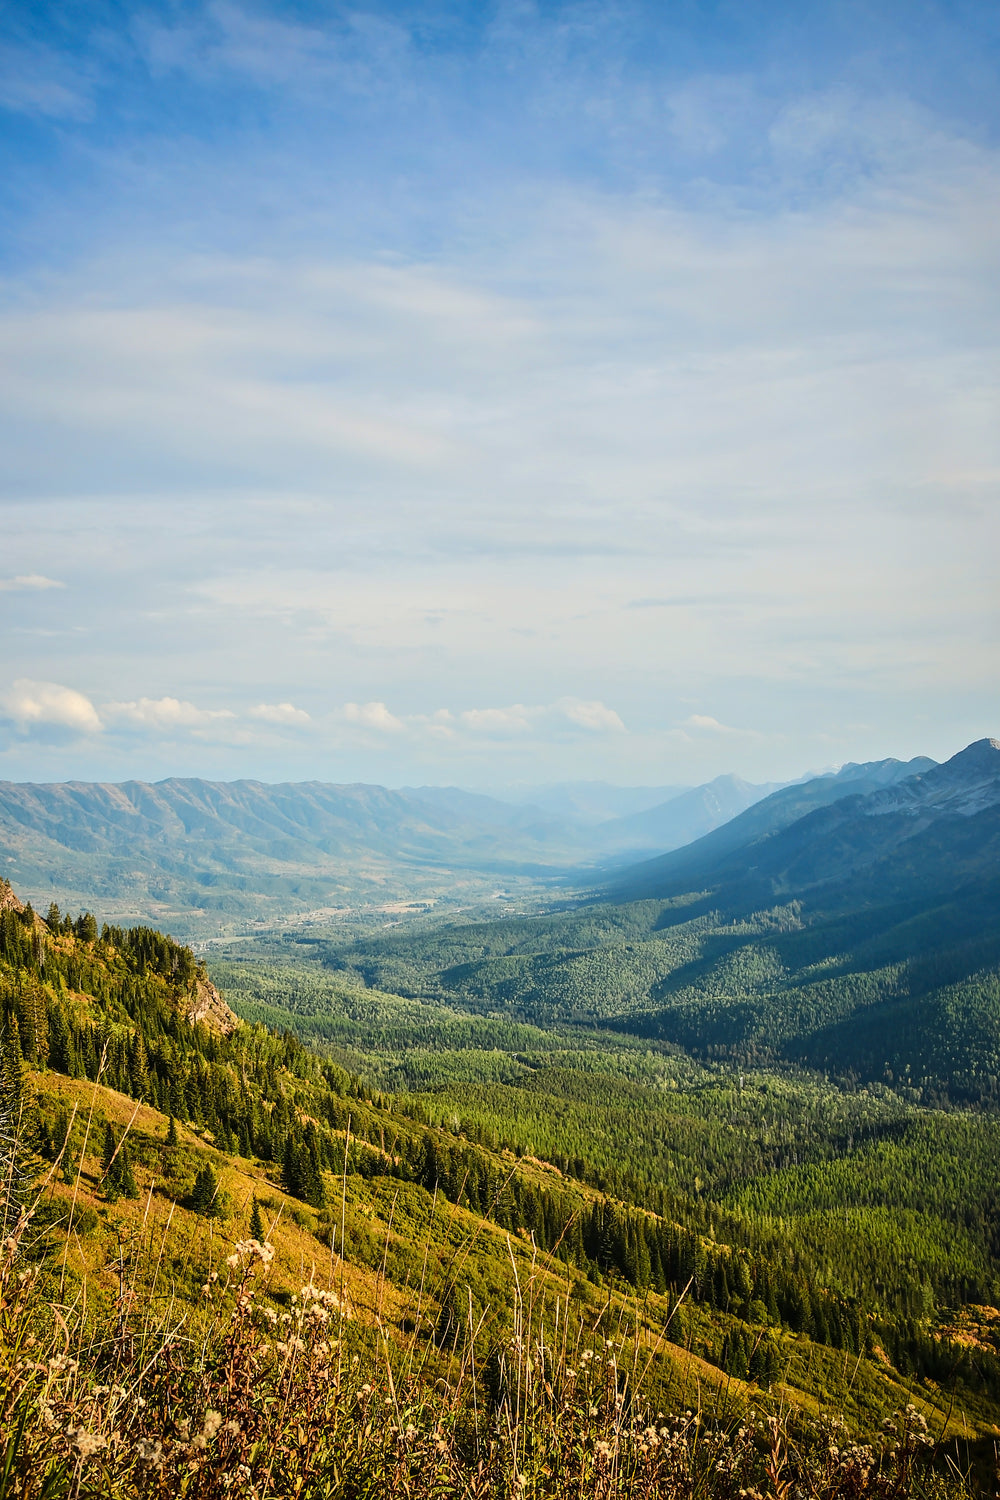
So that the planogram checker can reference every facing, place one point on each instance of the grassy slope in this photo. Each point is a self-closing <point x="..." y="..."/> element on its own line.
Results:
<point x="399" y="1237"/>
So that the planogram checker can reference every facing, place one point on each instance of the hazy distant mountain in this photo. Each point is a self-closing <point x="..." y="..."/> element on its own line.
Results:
<point x="685" y="817"/>
<point x="191" y="852"/>
<point x="849" y="924"/>
<point x="589" y="802"/>
<point x="728" y="852"/>
<point x="186" y="846"/>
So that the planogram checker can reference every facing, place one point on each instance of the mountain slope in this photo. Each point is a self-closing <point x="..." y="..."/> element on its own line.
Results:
<point x="725" y="852"/>
<point x="192" y="853"/>
<point x="683" y="818"/>
<point x="860" y="938"/>
<point x="172" y="1139"/>
<point x="183" y="847"/>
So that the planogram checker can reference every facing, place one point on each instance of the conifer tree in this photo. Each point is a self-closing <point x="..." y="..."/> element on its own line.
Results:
<point x="204" y="1198"/>
<point x="257" y="1230"/>
<point x="119" y="1178"/>
<point x="16" y="1173"/>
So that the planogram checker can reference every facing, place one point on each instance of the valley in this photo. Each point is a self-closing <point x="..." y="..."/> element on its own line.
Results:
<point x="731" y="1115"/>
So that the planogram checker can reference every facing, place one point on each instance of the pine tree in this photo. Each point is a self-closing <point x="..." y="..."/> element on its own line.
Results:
<point x="257" y="1230"/>
<point x="16" y="1174"/>
<point x="204" y="1198"/>
<point x="138" y="1067"/>
<point x="452" y="1328"/>
<point x="172" y="1137"/>
<point x="85" y="927"/>
<point x="119" y="1178"/>
<point x="313" y="1190"/>
<point x="291" y="1168"/>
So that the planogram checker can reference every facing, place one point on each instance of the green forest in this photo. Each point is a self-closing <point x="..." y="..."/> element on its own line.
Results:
<point x="829" y="1235"/>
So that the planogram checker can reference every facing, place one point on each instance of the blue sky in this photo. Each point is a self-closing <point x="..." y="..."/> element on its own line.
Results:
<point x="473" y="393"/>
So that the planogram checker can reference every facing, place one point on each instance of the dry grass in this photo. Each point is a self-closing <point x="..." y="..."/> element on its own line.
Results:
<point x="237" y="1395"/>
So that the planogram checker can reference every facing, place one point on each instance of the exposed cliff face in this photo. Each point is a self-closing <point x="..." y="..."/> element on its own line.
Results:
<point x="208" y="1006"/>
<point x="8" y="900"/>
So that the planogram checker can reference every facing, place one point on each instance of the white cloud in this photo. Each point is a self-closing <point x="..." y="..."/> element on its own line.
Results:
<point x="499" y="721"/>
<point x="30" y="704"/>
<point x="435" y="430"/>
<point x="513" y="721"/>
<point x="373" y="715"/>
<point x="705" y="724"/>
<point x="280" y="713"/>
<point x="29" y="581"/>
<point x="542" y="719"/>
<point x="705" y="721"/>
<point x="164" y="714"/>
<point x="594" y="716"/>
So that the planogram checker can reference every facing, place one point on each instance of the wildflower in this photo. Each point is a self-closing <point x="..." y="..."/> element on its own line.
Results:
<point x="602" y="1449"/>
<point x="149" y="1452"/>
<point x="211" y="1423"/>
<point x="86" y="1443"/>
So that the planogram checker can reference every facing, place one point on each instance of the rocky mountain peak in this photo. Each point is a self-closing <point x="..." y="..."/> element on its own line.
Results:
<point x="982" y="756"/>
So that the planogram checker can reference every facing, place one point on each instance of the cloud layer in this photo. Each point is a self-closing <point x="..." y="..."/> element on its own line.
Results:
<point x="406" y="395"/>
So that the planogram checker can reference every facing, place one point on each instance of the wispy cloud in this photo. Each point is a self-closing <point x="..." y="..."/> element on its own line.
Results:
<point x="163" y="714"/>
<point x="29" y="582"/>
<point x="36" y="80"/>
<point x="705" y="724"/>
<point x="281" y="713"/>
<point x="512" y="721"/>
<point x="576" y="348"/>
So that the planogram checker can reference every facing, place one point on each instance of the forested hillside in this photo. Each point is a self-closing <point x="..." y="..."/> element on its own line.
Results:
<point x="860" y="939"/>
<point x="207" y="857"/>
<point x="826" y="1247"/>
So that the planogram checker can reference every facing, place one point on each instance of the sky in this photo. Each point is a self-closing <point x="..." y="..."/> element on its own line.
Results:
<point x="503" y="392"/>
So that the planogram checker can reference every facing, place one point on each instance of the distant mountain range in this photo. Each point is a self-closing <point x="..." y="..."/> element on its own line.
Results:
<point x="191" y="853"/>
<point x="198" y="853"/>
<point x="736" y="848"/>
<point x="851" y="924"/>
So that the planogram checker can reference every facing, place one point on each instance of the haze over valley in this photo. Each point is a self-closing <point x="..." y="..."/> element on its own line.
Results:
<point x="499" y="810"/>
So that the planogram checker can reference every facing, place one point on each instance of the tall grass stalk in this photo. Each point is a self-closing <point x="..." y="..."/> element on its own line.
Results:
<point x="240" y="1393"/>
